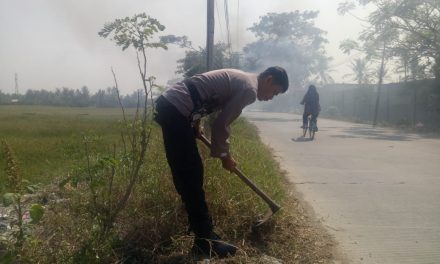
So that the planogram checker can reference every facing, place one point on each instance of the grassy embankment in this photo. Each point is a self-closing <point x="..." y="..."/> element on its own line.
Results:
<point x="47" y="142"/>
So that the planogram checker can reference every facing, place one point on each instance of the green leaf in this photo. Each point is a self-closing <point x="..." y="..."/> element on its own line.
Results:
<point x="30" y="189"/>
<point x="9" y="198"/>
<point x="36" y="212"/>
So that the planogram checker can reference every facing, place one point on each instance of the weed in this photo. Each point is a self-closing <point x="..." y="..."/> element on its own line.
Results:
<point x="16" y="188"/>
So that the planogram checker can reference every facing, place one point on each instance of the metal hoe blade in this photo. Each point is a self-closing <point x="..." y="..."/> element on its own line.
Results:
<point x="265" y="218"/>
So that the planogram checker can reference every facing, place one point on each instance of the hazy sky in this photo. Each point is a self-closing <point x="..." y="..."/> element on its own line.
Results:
<point x="54" y="43"/>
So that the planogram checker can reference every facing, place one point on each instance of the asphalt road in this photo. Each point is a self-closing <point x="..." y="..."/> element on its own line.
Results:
<point x="376" y="190"/>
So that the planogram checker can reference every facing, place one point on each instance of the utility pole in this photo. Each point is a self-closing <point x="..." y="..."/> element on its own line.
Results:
<point x="16" y="84"/>
<point x="210" y="36"/>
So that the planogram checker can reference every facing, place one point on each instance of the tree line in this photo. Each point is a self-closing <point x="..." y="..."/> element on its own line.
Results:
<point x="74" y="97"/>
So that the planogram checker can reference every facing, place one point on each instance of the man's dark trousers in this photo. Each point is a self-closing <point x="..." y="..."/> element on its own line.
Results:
<point x="186" y="165"/>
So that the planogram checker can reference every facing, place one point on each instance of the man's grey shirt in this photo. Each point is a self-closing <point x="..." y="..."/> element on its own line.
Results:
<point x="227" y="90"/>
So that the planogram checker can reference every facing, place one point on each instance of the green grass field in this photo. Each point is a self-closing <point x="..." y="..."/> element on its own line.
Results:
<point x="48" y="144"/>
<point x="45" y="139"/>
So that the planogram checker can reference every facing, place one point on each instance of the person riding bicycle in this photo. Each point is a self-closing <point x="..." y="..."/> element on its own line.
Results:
<point x="311" y="106"/>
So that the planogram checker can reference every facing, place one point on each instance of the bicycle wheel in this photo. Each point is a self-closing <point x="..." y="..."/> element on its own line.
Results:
<point x="312" y="129"/>
<point x="304" y="131"/>
<point x="312" y="133"/>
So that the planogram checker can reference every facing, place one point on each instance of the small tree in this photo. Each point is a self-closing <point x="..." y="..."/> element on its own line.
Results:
<point x="137" y="32"/>
<point x="111" y="177"/>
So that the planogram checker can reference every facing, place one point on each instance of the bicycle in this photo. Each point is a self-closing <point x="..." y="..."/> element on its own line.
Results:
<point x="311" y="126"/>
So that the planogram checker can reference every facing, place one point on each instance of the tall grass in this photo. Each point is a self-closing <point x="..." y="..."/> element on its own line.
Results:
<point x="153" y="227"/>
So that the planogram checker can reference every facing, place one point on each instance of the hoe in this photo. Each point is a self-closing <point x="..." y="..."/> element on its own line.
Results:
<point x="274" y="207"/>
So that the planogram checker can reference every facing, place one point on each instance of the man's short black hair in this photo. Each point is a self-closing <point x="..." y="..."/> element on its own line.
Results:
<point x="279" y="76"/>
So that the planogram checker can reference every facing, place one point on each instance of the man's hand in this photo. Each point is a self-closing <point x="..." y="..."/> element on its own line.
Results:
<point x="228" y="163"/>
<point x="198" y="129"/>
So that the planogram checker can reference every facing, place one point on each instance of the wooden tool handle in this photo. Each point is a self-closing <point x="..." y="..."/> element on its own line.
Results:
<point x="274" y="207"/>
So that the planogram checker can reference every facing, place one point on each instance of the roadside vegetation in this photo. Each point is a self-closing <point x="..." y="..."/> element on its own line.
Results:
<point x="152" y="227"/>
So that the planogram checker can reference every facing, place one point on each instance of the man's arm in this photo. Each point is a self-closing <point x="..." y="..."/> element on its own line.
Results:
<point x="221" y="126"/>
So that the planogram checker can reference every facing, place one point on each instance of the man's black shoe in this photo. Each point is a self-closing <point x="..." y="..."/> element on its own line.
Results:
<point x="212" y="247"/>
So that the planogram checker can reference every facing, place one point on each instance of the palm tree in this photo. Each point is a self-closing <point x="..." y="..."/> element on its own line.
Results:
<point x="322" y="76"/>
<point x="360" y="72"/>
